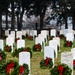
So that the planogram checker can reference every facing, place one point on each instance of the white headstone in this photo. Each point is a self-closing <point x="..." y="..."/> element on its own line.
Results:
<point x="65" y="32"/>
<point x="1" y="44"/>
<point x="35" y="32"/>
<point x="20" y="43"/>
<point x="24" y="58"/>
<point x="61" y="32"/>
<point x="24" y="32"/>
<point x="73" y="52"/>
<point x="45" y="32"/>
<point x="70" y="31"/>
<point x="74" y="31"/>
<point x="27" y="31"/>
<point x="67" y="58"/>
<point x="49" y="52"/>
<point x="19" y="34"/>
<point x="53" y="44"/>
<point x="39" y="40"/>
<point x="6" y="32"/>
<point x="58" y="40"/>
<point x="9" y="42"/>
<point x="53" y="32"/>
<point x="43" y="37"/>
<point x="12" y="32"/>
<point x="31" y="33"/>
<point x="70" y="37"/>
<point x="12" y="36"/>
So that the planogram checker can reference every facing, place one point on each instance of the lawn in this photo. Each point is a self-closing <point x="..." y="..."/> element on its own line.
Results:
<point x="37" y="56"/>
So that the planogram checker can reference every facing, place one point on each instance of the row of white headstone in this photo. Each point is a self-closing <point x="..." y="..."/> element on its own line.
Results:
<point x="69" y="34"/>
<point x="42" y="37"/>
<point x="9" y="42"/>
<point x="20" y="33"/>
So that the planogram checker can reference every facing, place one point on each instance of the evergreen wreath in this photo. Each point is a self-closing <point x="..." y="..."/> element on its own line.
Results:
<point x="74" y="64"/>
<point x="21" y="70"/>
<point x="61" y="36"/>
<point x="36" y="47"/>
<point x="61" y="69"/>
<point x="16" y="39"/>
<point x="17" y="51"/>
<point x="2" y="57"/>
<point x="30" y="37"/>
<point x="68" y="43"/>
<point x="9" y="68"/>
<point x="23" y="36"/>
<point x="8" y="48"/>
<point x="51" y="37"/>
<point x="46" y="63"/>
<point x="13" y="68"/>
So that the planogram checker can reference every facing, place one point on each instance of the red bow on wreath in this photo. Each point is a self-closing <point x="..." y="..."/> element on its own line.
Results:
<point x="21" y="69"/>
<point x="7" y="47"/>
<point x="60" y="69"/>
<point x="37" y="47"/>
<point x="25" y="50"/>
<point x="68" y="43"/>
<point x="47" y="61"/>
<point x="9" y="67"/>
<point x="0" y="57"/>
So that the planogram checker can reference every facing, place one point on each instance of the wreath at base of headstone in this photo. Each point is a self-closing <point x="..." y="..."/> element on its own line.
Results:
<point x="68" y="44"/>
<point x="61" y="69"/>
<point x="2" y="57"/>
<point x="2" y="60"/>
<point x="7" y="48"/>
<point x="17" y="51"/>
<point x="13" y="68"/>
<point x="61" y="36"/>
<point x="37" y="47"/>
<point x="51" y="37"/>
<point x="74" y="64"/>
<point x="30" y="38"/>
<point x="46" y="63"/>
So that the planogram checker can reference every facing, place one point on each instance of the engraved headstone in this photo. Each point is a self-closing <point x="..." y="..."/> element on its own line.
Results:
<point x="58" y="40"/>
<point x="19" y="34"/>
<point x="53" y="32"/>
<point x="24" y="58"/>
<point x="70" y="37"/>
<point x="40" y="40"/>
<point x="20" y="43"/>
<point x="49" y="52"/>
<point x="1" y="44"/>
<point x="67" y="58"/>
<point x="9" y="42"/>
<point x="73" y="52"/>
<point x="6" y="32"/>
<point x="53" y="44"/>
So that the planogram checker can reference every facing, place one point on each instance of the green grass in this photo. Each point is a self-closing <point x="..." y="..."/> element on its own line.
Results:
<point x="37" y="56"/>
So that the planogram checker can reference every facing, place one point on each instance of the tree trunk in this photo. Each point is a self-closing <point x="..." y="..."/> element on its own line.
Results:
<point x="73" y="19"/>
<point x="21" y="16"/>
<point x="0" y="24"/>
<point x="66" y="26"/>
<point x="42" y="15"/>
<point x="18" y="22"/>
<point x="36" y="25"/>
<point x="13" y="18"/>
<point x="41" y="21"/>
<point x="6" y="20"/>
